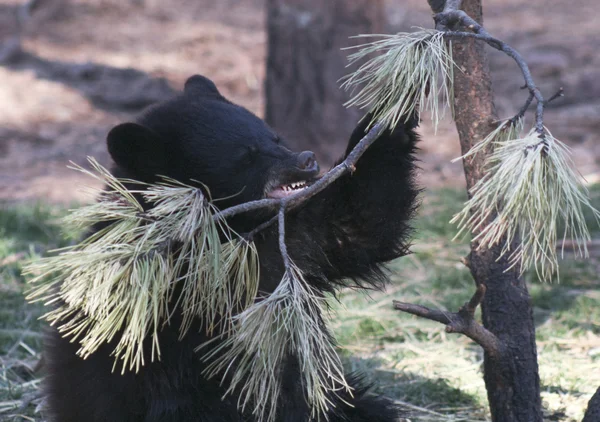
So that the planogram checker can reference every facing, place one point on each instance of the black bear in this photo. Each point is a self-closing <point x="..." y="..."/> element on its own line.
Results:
<point x="342" y="236"/>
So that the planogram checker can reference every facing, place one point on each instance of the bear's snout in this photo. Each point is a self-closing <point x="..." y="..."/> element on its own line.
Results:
<point x="307" y="161"/>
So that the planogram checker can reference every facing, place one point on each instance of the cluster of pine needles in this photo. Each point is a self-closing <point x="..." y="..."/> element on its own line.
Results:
<point x="118" y="283"/>
<point x="292" y="321"/>
<point x="531" y="195"/>
<point x="412" y="72"/>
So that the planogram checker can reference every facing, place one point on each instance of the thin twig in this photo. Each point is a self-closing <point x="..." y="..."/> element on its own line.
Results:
<point x="251" y="234"/>
<point x="523" y="110"/>
<point x="462" y="322"/>
<point x="282" y="245"/>
<point x="475" y="300"/>
<point x="423" y="312"/>
<point x="558" y="94"/>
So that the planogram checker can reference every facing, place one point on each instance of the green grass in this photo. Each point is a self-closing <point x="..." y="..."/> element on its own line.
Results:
<point x="25" y="232"/>
<point x="436" y="376"/>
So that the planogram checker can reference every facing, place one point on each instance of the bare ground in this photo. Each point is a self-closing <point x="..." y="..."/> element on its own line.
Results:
<point x="86" y="65"/>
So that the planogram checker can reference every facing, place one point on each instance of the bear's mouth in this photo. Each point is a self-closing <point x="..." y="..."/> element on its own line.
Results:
<point x="286" y="190"/>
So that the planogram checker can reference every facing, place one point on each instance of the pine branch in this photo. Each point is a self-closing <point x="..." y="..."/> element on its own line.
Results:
<point x="451" y="17"/>
<point x="286" y="323"/>
<point x="412" y="72"/>
<point x="462" y="322"/>
<point x="530" y="181"/>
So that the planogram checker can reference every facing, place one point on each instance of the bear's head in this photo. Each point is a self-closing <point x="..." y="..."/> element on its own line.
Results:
<point x="199" y="136"/>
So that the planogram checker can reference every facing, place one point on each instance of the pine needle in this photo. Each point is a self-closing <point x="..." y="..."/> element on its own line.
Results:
<point x="506" y="131"/>
<point x="120" y="280"/>
<point x="285" y="325"/>
<point x="413" y="72"/>
<point x="531" y="186"/>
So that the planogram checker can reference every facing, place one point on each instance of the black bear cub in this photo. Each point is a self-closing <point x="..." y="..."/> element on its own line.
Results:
<point x="342" y="236"/>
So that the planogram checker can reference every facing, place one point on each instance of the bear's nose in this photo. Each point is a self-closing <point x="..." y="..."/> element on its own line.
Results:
<point x="307" y="161"/>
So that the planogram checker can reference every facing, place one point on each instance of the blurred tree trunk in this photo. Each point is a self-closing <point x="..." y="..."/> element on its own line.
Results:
<point x="304" y="102"/>
<point x="511" y="378"/>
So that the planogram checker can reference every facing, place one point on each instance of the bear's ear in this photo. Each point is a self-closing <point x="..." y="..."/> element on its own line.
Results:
<point x="138" y="149"/>
<point x="201" y="86"/>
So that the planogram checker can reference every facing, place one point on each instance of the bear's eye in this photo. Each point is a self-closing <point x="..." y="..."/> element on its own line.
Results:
<point x="249" y="154"/>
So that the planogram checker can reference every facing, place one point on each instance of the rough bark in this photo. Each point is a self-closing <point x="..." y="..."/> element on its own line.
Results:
<point x="511" y="379"/>
<point x="304" y="63"/>
<point x="592" y="413"/>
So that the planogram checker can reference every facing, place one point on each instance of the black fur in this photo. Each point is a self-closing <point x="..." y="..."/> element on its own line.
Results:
<point x="342" y="236"/>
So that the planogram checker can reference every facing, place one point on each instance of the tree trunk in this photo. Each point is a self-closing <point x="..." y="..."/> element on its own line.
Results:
<point x="511" y="379"/>
<point x="592" y="414"/>
<point x="304" y="63"/>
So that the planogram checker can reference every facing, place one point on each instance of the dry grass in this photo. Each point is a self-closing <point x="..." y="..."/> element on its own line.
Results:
<point x="433" y="375"/>
<point x="416" y="362"/>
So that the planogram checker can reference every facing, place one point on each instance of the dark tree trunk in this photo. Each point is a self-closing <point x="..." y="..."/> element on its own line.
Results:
<point x="511" y="378"/>
<point x="592" y="414"/>
<point x="304" y="63"/>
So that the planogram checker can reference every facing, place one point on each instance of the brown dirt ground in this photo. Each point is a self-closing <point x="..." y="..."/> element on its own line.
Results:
<point x="54" y="107"/>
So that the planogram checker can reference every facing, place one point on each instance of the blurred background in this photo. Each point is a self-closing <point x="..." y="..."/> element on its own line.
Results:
<point x="72" y="69"/>
<point x="84" y="65"/>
